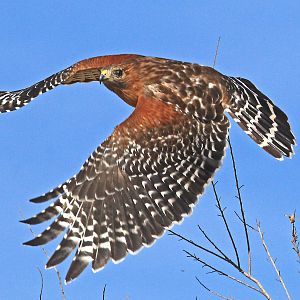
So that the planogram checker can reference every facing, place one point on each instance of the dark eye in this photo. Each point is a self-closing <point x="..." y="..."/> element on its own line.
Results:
<point x="118" y="73"/>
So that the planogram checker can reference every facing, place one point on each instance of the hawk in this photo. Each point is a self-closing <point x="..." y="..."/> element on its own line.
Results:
<point x="149" y="174"/>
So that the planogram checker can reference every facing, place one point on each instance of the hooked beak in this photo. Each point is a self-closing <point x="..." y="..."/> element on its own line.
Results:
<point x="101" y="78"/>
<point x="103" y="75"/>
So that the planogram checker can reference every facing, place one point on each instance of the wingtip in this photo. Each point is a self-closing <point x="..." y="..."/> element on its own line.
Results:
<point x="52" y="262"/>
<point x="49" y="265"/>
<point x="67" y="282"/>
<point x="31" y="221"/>
<point x="281" y="158"/>
<point x="37" y="241"/>
<point x="29" y="243"/>
<point x="25" y="221"/>
<point x="39" y="199"/>
<point x="69" y="279"/>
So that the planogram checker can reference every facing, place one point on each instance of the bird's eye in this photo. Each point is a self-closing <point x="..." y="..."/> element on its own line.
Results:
<point x="118" y="73"/>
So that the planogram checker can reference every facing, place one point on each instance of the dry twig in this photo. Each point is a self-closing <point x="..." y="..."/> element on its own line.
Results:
<point x="222" y="215"/>
<point x="196" y="245"/>
<point x="219" y="272"/>
<point x="239" y="197"/>
<point x="294" y="240"/>
<point x="213" y="292"/>
<point x="259" y="287"/>
<point x="103" y="292"/>
<point x="261" y="234"/>
<point x="214" y="184"/>
<point x="42" y="284"/>
<point x="217" y="52"/>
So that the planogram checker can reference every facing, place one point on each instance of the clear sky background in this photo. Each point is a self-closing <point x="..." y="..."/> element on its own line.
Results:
<point x="45" y="143"/>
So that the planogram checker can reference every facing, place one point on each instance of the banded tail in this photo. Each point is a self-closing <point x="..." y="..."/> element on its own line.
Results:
<point x="260" y="118"/>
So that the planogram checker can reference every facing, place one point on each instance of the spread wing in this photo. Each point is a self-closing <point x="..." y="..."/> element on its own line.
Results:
<point x="144" y="178"/>
<point x="84" y="71"/>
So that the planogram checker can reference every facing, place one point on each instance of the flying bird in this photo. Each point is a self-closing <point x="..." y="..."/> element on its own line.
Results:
<point x="149" y="174"/>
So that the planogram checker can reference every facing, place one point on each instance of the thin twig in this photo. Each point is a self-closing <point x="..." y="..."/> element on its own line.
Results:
<point x="42" y="285"/>
<point x="205" y="264"/>
<point x="257" y="282"/>
<point x="212" y="292"/>
<point x="63" y="296"/>
<point x="260" y="288"/>
<point x="217" y="52"/>
<point x="261" y="234"/>
<point x="197" y="245"/>
<point x="226" y="224"/>
<point x="103" y="293"/>
<point x="294" y="240"/>
<point x="239" y="196"/>
<point x="213" y="244"/>
<point x="216" y="194"/>
<point x="251" y="227"/>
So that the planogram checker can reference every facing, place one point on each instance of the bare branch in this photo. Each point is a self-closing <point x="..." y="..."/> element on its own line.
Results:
<point x="213" y="292"/>
<point x="261" y="234"/>
<point x="226" y="224"/>
<point x="260" y="286"/>
<point x="62" y="291"/>
<point x="217" y="52"/>
<point x="216" y="194"/>
<point x="215" y="270"/>
<point x="42" y="284"/>
<point x="196" y="245"/>
<point x="251" y="227"/>
<point x="213" y="244"/>
<point x="294" y="240"/>
<point x="239" y="196"/>
<point x="103" y="292"/>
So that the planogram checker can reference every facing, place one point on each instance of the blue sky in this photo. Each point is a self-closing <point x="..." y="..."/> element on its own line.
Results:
<point x="45" y="143"/>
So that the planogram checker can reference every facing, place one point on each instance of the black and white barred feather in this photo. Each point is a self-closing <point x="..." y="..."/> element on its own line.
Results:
<point x="260" y="118"/>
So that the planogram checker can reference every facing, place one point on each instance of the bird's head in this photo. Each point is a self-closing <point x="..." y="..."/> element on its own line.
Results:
<point x="134" y="77"/>
<point x="122" y="80"/>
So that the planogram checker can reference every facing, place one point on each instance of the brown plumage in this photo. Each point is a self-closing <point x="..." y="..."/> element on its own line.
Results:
<point x="150" y="172"/>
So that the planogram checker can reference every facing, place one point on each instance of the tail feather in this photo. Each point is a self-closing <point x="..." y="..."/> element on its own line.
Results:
<point x="260" y="118"/>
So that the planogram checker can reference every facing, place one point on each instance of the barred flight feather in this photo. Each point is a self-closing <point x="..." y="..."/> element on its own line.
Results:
<point x="10" y="101"/>
<point x="257" y="115"/>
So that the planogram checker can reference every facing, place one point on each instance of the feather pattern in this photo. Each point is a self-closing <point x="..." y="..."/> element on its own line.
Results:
<point x="258" y="116"/>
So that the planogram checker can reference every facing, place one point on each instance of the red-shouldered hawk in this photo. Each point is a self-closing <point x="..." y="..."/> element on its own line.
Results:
<point x="150" y="172"/>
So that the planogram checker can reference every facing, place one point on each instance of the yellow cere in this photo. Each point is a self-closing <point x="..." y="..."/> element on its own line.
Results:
<point x="104" y="72"/>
